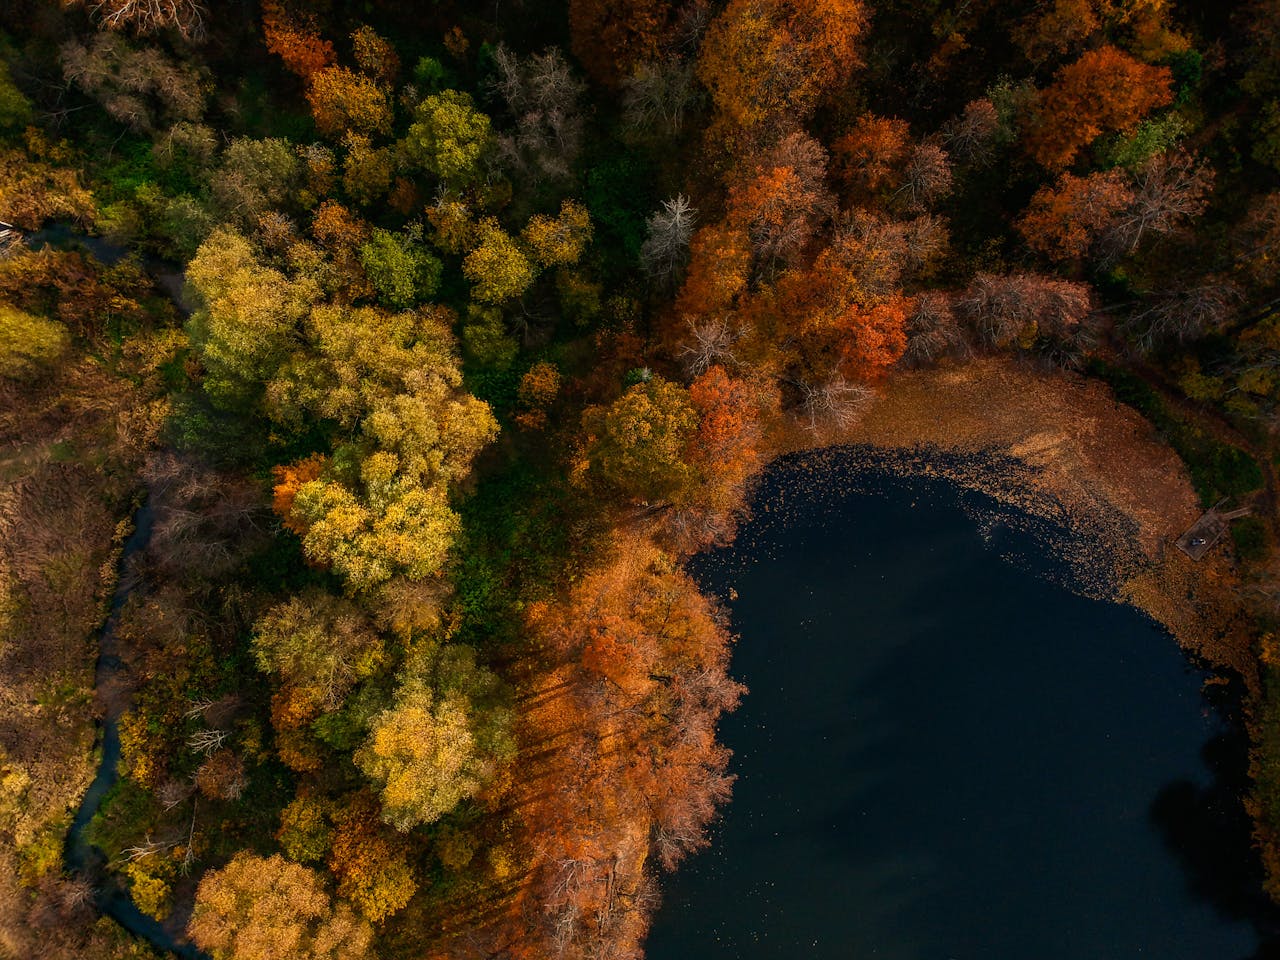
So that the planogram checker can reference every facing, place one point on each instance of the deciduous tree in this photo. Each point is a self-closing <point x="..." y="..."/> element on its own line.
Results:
<point x="1105" y="90"/>
<point x="266" y="908"/>
<point x="638" y="445"/>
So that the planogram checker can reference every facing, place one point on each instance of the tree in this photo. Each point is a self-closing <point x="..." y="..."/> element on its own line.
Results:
<point x="848" y="299"/>
<point x="319" y="645"/>
<point x="140" y="87"/>
<point x="768" y="61"/>
<point x="343" y="100"/>
<point x="543" y="97"/>
<point x="304" y="831"/>
<point x="406" y="530"/>
<point x="927" y="177"/>
<point x="538" y="389"/>
<point x="375" y="55"/>
<point x="441" y="742"/>
<point x="15" y="109"/>
<point x="665" y="251"/>
<point x="782" y="206"/>
<point x="372" y="867"/>
<point x="638" y="445"/>
<point x="295" y="41"/>
<point x="187" y="17"/>
<point x="400" y="270"/>
<point x="659" y="94"/>
<point x="367" y="171"/>
<point x="448" y="136"/>
<point x="636" y="707"/>
<point x="255" y="177"/>
<point x="872" y="154"/>
<point x="29" y="345"/>
<point x="1017" y="310"/>
<point x="497" y="267"/>
<point x="246" y="316"/>
<point x="266" y="908"/>
<point x="719" y="265"/>
<point x="560" y="241"/>
<point x="971" y="136"/>
<point x="1171" y="188"/>
<point x="610" y="38"/>
<point x="728" y="445"/>
<point x="932" y="330"/>
<point x="1066" y="220"/>
<point x="1105" y="90"/>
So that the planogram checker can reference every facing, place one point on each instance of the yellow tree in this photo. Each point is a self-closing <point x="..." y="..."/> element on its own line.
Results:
<point x="266" y="908"/>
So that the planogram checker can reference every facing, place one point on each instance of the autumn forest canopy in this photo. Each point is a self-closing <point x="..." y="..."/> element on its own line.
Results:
<point x="434" y="338"/>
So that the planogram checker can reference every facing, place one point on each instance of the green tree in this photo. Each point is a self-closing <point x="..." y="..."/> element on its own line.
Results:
<point x="639" y="443"/>
<point x="400" y="270"/>
<point x="318" y="644"/>
<point x="15" y="109"/>
<point x="304" y="831"/>
<point x="448" y="135"/>
<point x="246" y="316"/>
<point x="255" y="177"/>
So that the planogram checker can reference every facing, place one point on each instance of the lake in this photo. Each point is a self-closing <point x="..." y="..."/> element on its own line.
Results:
<point x="947" y="755"/>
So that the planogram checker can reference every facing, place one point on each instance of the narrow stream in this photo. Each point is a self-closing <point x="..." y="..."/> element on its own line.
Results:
<point x="80" y="856"/>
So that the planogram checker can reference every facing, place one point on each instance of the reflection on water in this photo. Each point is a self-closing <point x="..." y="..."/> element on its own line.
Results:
<point x="946" y="755"/>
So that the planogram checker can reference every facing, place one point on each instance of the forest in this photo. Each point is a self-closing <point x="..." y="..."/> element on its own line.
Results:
<point x="432" y="338"/>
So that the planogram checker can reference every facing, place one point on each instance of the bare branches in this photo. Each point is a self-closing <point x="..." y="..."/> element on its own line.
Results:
<point x="665" y="252"/>
<point x="1020" y="309"/>
<point x="151" y="16"/>
<point x="1183" y="314"/>
<point x="147" y="848"/>
<point x="207" y="741"/>
<point x="658" y="94"/>
<point x="927" y="178"/>
<point x="1171" y="188"/>
<point x="932" y="330"/>
<point x="713" y="341"/>
<point x="542" y="95"/>
<point x="834" y="402"/>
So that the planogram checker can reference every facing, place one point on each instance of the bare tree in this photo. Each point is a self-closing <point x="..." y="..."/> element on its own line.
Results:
<point x="713" y="341"/>
<point x="1183" y="314"/>
<point x="1169" y="189"/>
<point x="207" y="741"/>
<point x="542" y="95"/>
<point x="658" y="94"/>
<point x="927" y="178"/>
<point x="971" y="136"/>
<point x="187" y="17"/>
<point x="665" y="251"/>
<point x="1020" y="309"/>
<point x="835" y="401"/>
<point x="932" y="330"/>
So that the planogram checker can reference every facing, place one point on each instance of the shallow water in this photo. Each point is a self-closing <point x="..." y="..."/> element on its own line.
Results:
<point x="945" y="755"/>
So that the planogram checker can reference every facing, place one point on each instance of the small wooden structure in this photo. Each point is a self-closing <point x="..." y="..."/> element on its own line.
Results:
<point x="10" y="237"/>
<point x="1209" y="529"/>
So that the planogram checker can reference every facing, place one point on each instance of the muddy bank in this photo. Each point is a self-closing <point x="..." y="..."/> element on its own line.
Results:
<point x="1060" y="447"/>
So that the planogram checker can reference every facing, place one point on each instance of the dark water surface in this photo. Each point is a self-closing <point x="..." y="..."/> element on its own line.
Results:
<point x="945" y="755"/>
